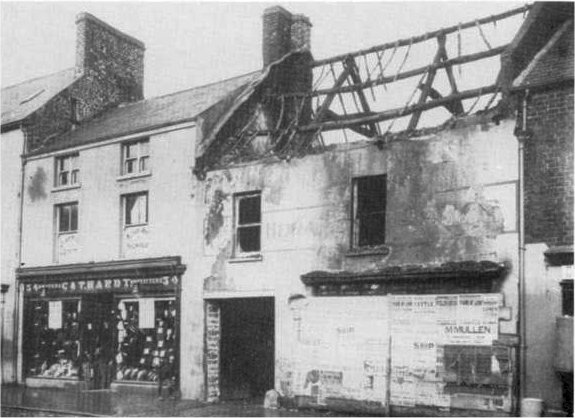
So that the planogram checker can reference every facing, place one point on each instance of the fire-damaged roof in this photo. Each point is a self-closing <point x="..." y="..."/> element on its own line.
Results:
<point x="21" y="100"/>
<point x="183" y="106"/>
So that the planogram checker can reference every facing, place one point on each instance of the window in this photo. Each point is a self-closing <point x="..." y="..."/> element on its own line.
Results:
<point x="67" y="171"/>
<point x="248" y="223"/>
<point x="136" y="209"/>
<point x="67" y="218"/>
<point x="135" y="157"/>
<point x="369" y="198"/>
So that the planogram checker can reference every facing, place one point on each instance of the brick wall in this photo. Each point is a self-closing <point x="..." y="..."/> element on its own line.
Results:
<point x="213" y="337"/>
<point x="109" y="70"/>
<point x="549" y="167"/>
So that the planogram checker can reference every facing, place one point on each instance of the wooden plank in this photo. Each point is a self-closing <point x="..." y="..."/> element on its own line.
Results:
<point x="424" y="37"/>
<point x="327" y="102"/>
<point x="455" y="107"/>
<point x="355" y="77"/>
<point x="354" y="120"/>
<point x="331" y="115"/>
<point x="428" y="82"/>
<point x="407" y="74"/>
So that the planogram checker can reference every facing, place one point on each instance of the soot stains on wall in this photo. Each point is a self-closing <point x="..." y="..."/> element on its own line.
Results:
<point x="37" y="185"/>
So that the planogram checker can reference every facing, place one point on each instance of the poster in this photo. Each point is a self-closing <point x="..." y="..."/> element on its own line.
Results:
<point x="342" y="349"/>
<point x="55" y="314"/>
<point x="147" y="314"/>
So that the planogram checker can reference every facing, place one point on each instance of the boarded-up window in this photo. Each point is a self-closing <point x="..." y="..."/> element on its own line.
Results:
<point x="248" y="223"/>
<point x="369" y="200"/>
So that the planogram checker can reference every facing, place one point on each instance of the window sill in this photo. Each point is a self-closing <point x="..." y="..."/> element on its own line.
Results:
<point x="67" y="233"/>
<point x="368" y="251"/>
<point x="64" y="188"/>
<point x="245" y="258"/>
<point x="134" y="176"/>
<point x="134" y="226"/>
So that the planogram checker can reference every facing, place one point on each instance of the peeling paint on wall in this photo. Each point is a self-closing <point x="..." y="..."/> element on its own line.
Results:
<point x="37" y="185"/>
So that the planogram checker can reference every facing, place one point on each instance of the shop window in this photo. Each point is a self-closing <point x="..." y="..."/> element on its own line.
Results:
<point x="146" y="338"/>
<point x="368" y="217"/>
<point x="67" y="171"/>
<point x="136" y="209"/>
<point x="67" y="218"/>
<point x="248" y="223"/>
<point x="136" y="157"/>
<point x="52" y="339"/>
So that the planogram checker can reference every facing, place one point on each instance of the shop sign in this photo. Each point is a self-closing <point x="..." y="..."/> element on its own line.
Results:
<point x="101" y="285"/>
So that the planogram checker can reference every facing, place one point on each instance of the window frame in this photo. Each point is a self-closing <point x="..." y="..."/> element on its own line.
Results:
<point x="125" y="198"/>
<point x="72" y="171"/>
<point x="355" y="241"/>
<point x="139" y="159"/>
<point x="59" y="207"/>
<point x="238" y="197"/>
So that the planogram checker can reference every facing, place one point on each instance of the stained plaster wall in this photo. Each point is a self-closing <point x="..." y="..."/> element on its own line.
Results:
<point x="450" y="197"/>
<point x="11" y="144"/>
<point x="170" y="227"/>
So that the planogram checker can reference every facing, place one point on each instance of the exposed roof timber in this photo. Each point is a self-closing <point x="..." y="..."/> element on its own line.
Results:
<point x="426" y="36"/>
<point x="407" y="74"/>
<point x="356" y="78"/>
<point x="360" y="119"/>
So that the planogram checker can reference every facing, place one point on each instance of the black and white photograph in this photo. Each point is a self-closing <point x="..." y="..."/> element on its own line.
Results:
<point x="287" y="209"/>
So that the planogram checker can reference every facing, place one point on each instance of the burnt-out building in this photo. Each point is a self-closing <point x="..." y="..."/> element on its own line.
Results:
<point x="362" y="232"/>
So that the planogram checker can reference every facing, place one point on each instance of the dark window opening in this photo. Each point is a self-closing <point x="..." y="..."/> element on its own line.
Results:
<point x="248" y="223"/>
<point x="369" y="210"/>
<point x="67" y="217"/>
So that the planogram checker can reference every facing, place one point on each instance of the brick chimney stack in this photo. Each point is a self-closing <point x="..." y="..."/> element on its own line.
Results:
<point x="110" y="60"/>
<point x="283" y="33"/>
<point x="300" y="32"/>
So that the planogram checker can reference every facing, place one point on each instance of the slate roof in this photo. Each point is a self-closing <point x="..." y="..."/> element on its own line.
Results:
<point x="21" y="100"/>
<point x="182" y="106"/>
<point x="553" y="63"/>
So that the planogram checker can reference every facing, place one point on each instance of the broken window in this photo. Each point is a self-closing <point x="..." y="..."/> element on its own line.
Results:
<point x="135" y="157"/>
<point x="248" y="222"/>
<point x="369" y="199"/>
<point x="136" y="209"/>
<point x="67" y="218"/>
<point x="67" y="171"/>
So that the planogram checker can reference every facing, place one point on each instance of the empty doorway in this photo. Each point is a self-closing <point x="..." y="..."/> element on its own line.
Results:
<point x="247" y="347"/>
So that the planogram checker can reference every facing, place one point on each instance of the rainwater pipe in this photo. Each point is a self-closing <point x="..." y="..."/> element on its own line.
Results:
<point x="522" y="135"/>
<point x="17" y="334"/>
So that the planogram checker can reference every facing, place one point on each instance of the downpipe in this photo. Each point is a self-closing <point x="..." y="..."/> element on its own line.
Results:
<point x="522" y="134"/>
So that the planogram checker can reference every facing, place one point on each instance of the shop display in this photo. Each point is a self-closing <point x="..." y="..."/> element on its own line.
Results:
<point x="52" y="344"/>
<point x="142" y="351"/>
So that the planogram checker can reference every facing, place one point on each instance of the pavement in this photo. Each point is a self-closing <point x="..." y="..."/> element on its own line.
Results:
<point x="22" y="401"/>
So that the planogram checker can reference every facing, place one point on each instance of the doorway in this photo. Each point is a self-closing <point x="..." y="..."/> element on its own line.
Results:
<point x="246" y="347"/>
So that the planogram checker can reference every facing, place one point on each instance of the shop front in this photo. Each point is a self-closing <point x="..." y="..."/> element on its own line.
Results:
<point x="101" y="325"/>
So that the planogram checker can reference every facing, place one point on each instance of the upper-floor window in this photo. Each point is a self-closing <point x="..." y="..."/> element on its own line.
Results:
<point x="248" y="218"/>
<point x="369" y="201"/>
<point x="136" y="157"/>
<point x="67" y="170"/>
<point x="67" y="218"/>
<point x="135" y="209"/>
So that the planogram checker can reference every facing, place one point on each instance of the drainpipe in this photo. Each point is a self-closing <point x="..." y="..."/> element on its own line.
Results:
<point x="16" y="324"/>
<point x="522" y="135"/>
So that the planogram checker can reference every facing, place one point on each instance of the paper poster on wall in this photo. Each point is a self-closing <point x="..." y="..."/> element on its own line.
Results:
<point x="55" y="314"/>
<point x="341" y="351"/>
<point x="147" y="313"/>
